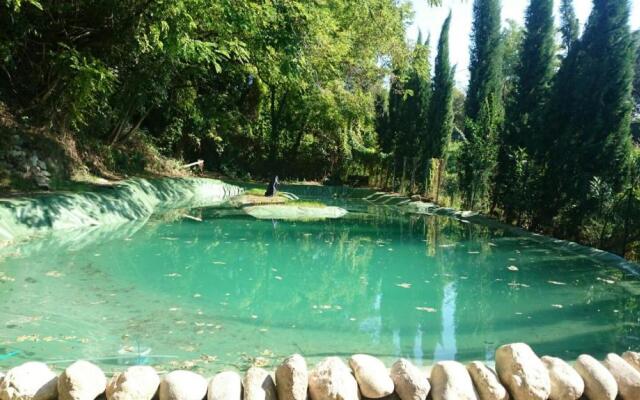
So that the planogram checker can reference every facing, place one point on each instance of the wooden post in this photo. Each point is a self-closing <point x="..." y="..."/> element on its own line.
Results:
<point x="404" y="174"/>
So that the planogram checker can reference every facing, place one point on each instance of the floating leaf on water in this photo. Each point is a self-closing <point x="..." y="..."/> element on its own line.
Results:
<point x="447" y="245"/>
<point x="208" y="358"/>
<point x="278" y="277"/>
<point x="326" y="306"/>
<point x="518" y="313"/>
<point x="473" y="252"/>
<point x="512" y="268"/>
<point x="390" y="249"/>
<point x="404" y="285"/>
<point x="609" y="281"/>
<point x="174" y="309"/>
<point x="352" y="319"/>
<point x="263" y="330"/>
<point x="197" y="295"/>
<point x="338" y="307"/>
<point x="173" y="275"/>
<point x="254" y="317"/>
<point x="557" y="283"/>
<point x="556" y="305"/>
<point x="219" y="262"/>
<point x="54" y="274"/>
<point x="426" y="309"/>
<point x="27" y="338"/>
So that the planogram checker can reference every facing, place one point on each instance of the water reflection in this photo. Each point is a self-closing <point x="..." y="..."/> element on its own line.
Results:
<point x="231" y="288"/>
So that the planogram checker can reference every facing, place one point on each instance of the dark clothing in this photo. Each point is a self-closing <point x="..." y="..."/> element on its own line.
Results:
<point x="272" y="189"/>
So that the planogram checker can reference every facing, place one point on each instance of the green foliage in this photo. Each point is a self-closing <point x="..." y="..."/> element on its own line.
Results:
<point x="253" y="87"/>
<point x="483" y="106"/>
<point x="569" y="24"/>
<point x="521" y="142"/>
<point x="485" y="63"/>
<point x="441" y="114"/>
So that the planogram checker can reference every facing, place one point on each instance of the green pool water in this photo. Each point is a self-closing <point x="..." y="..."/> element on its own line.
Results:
<point x="230" y="291"/>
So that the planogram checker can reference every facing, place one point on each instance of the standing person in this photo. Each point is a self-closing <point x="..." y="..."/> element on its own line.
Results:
<point x="272" y="188"/>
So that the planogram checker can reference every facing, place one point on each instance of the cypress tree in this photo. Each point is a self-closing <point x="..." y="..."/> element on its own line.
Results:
<point x="483" y="104"/>
<point x="440" y="118"/>
<point x="569" y="24"/>
<point x="412" y="124"/>
<point x="485" y="58"/>
<point x="521" y="139"/>
<point x="594" y="99"/>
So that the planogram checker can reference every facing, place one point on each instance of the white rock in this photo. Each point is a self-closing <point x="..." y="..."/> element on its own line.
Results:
<point x="29" y="381"/>
<point x="182" y="385"/>
<point x="259" y="385"/>
<point x="486" y="382"/>
<point x="135" y="383"/>
<point x="331" y="379"/>
<point x="226" y="385"/>
<point x="292" y="378"/>
<point x="599" y="384"/>
<point x="627" y="378"/>
<point x="81" y="380"/>
<point x="451" y="381"/>
<point x="632" y="358"/>
<point x="372" y="376"/>
<point x="410" y="382"/>
<point x="522" y="372"/>
<point x="566" y="383"/>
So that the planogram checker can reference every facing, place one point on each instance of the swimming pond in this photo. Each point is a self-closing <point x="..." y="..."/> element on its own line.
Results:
<point x="229" y="291"/>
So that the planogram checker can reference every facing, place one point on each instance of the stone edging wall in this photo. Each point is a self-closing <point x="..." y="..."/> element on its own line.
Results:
<point x="519" y="374"/>
<point x="129" y="200"/>
<point x="408" y="205"/>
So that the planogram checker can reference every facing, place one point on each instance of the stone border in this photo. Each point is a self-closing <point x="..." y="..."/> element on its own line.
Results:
<point x="418" y="207"/>
<point x="518" y="373"/>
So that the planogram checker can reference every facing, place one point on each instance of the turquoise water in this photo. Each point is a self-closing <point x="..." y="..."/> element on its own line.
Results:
<point x="230" y="291"/>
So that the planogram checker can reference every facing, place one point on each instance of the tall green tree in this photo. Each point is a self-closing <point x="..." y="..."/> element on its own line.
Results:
<point x="483" y="103"/>
<point x="417" y="92"/>
<point x="592" y="109"/>
<point x="569" y="24"/>
<point x="521" y="141"/>
<point x="440" y="117"/>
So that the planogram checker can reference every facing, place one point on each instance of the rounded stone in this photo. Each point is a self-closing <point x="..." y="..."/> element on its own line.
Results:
<point x="451" y="381"/>
<point x="226" y="385"/>
<point x="599" y="384"/>
<point x="292" y="378"/>
<point x="372" y="376"/>
<point x="627" y="378"/>
<point x="522" y="372"/>
<point x="410" y="382"/>
<point x="81" y="380"/>
<point x="566" y="383"/>
<point x="29" y="381"/>
<point x="632" y="358"/>
<point x="135" y="383"/>
<point x="331" y="379"/>
<point x="259" y="385"/>
<point x="182" y="385"/>
<point x="486" y="382"/>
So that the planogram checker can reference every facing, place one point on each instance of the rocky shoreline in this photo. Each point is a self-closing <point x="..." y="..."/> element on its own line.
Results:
<point x="519" y="374"/>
